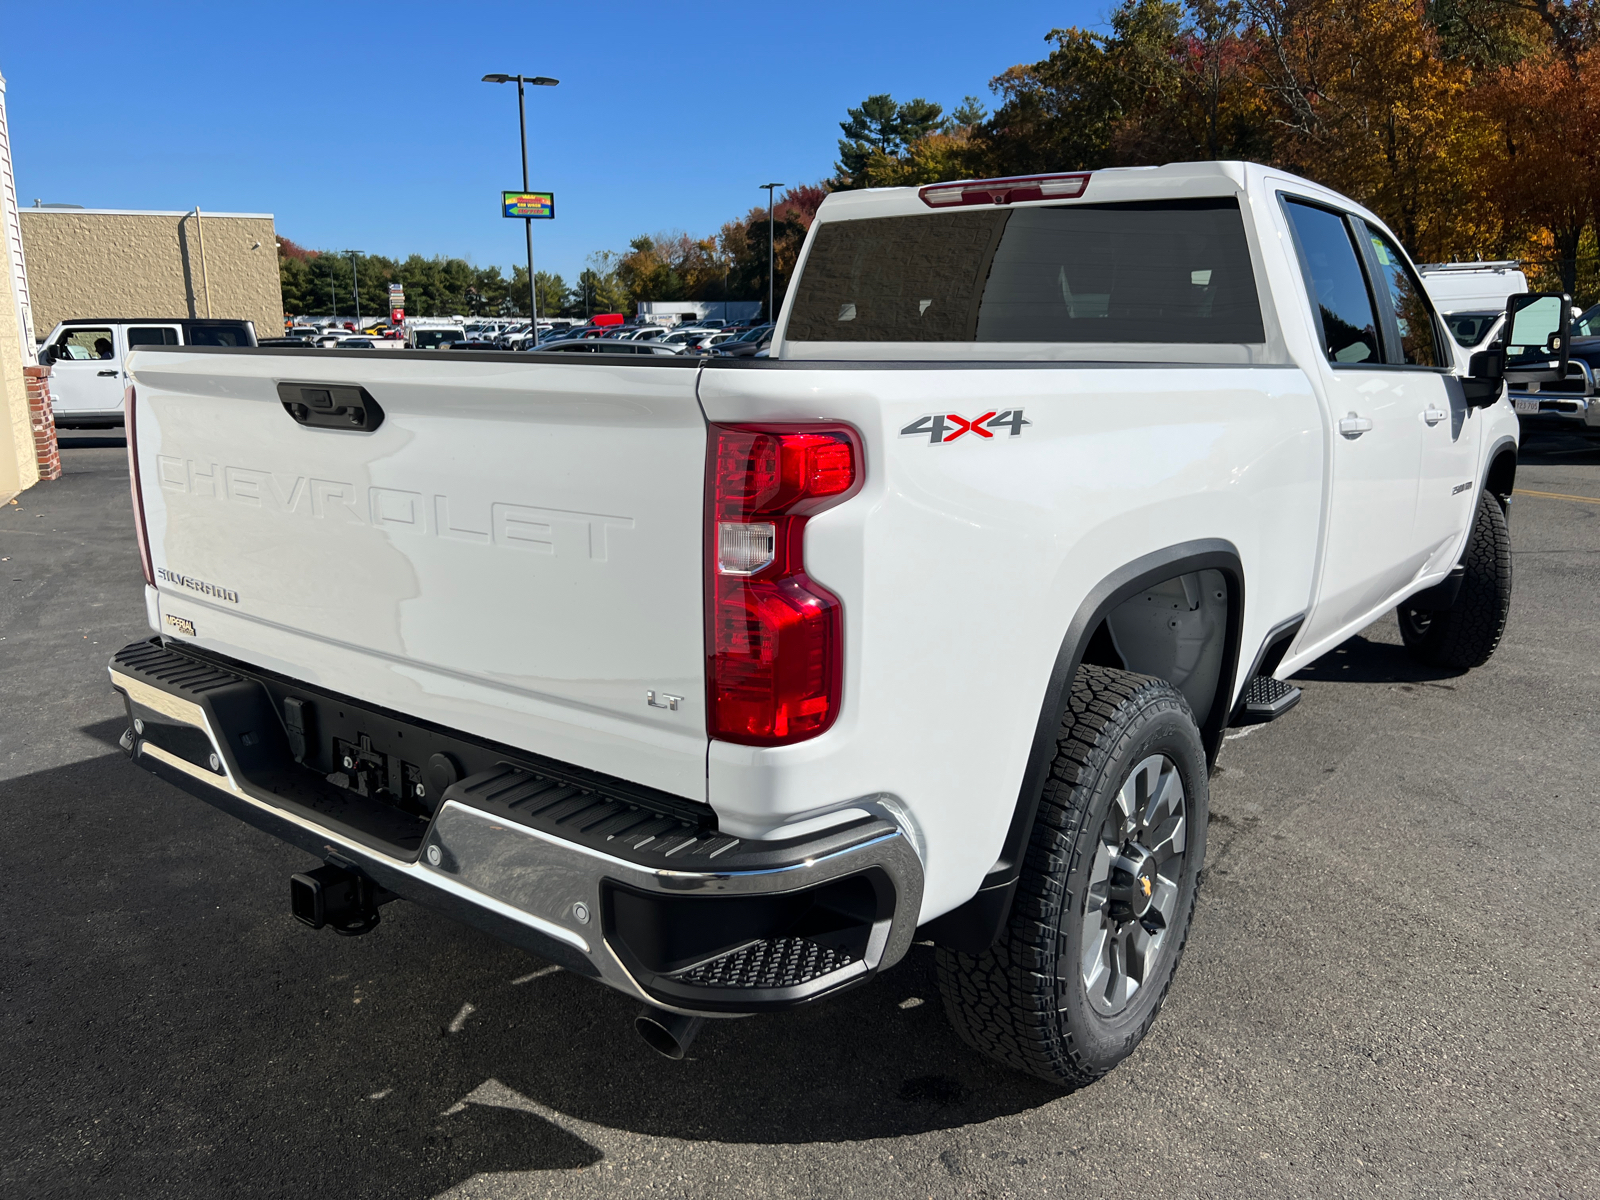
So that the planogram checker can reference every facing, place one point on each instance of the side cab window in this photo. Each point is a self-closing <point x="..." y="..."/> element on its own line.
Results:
<point x="1331" y="262"/>
<point x="80" y="344"/>
<point x="151" y="335"/>
<point x="1413" y="337"/>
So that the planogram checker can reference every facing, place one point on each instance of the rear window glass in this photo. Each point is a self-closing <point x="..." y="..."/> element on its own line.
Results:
<point x="160" y="335"/>
<point x="1169" y="271"/>
<point x="219" y="335"/>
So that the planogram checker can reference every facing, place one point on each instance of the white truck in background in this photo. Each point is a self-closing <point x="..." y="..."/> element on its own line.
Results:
<point x="720" y="681"/>
<point x="86" y="356"/>
<point x="1471" y="297"/>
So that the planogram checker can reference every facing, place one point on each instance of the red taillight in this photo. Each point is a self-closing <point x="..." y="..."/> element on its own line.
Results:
<point x="774" y="638"/>
<point x="130" y="426"/>
<point x="1017" y="189"/>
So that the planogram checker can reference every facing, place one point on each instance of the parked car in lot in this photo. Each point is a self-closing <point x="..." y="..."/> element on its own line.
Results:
<point x="747" y="344"/>
<point x="87" y="356"/>
<point x="604" y="346"/>
<point x="685" y="339"/>
<point x="721" y="681"/>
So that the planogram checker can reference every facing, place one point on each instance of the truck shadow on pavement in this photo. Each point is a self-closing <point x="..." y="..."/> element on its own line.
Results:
<point x="170" y="1021"/>
<point x="1362" y="660"/>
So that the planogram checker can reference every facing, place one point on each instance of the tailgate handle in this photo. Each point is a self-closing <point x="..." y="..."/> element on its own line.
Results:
<point x="331" y="406"/>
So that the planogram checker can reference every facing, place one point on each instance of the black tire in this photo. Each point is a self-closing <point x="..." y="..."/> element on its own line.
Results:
<point x="1027" y="1001"/>
<point x="1466" y="635"/>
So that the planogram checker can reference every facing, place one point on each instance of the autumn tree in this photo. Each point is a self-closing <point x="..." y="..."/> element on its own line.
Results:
<point x="1542" y="109"/>
<point x="1362" y="101"/>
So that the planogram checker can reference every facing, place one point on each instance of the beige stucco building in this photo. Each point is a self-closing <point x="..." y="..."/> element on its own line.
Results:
<point x="91" y="262"/>
<point x="19" y="466"/>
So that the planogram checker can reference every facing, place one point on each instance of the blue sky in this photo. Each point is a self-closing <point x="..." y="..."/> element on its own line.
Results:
<point x="366" y="126"/>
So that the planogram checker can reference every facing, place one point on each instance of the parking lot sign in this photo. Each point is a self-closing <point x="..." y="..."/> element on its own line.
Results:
<point x="535" y="205"/>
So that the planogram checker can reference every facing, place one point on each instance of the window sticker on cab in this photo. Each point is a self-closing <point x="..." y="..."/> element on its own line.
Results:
<point x="947" y="427"/>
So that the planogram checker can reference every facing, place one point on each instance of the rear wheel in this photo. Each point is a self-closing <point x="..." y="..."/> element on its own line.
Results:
<point x="1467" y="634"/>
<point x="1108" y="887"/>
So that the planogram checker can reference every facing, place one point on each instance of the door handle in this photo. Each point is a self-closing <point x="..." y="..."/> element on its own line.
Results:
<point x="103" y="374"/>
<point x="1353" y="426"/>
<point x="1433" y="415"/>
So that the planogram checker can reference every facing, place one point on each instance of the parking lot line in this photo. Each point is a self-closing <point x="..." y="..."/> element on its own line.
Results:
<point x="1556" y="496"/>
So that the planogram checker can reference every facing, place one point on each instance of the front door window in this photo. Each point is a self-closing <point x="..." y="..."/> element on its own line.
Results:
<point x="86" y="345"/>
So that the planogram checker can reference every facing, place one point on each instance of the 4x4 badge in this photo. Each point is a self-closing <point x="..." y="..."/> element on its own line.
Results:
<point x="947" y="427"/>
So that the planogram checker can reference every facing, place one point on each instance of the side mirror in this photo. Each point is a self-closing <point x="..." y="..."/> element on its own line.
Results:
<point x="1486" y="373"/>
<point x="47" y="355"/>
<point x="1536" y="336"/>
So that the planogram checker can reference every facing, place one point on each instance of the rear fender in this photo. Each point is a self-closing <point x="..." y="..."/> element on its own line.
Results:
<point x="973" y="927"/>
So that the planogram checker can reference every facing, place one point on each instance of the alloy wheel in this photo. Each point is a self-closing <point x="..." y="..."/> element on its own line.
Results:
<point x="1130" y="905"/>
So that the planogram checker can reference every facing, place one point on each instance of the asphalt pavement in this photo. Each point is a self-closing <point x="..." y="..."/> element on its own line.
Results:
<point x="1392" y="987"/>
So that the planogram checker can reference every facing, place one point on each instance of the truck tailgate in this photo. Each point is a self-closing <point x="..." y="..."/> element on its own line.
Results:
<point x="515" y="551"/>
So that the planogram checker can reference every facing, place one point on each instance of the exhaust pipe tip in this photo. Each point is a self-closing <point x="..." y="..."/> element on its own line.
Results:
<point x="666" y="1032"/>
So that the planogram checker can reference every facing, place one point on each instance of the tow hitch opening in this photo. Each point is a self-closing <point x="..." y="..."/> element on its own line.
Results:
<point x="337" y="897"/>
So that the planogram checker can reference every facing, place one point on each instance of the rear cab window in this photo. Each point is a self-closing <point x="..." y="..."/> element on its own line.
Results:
<point x="151" y="335"/>
<point x="1175" y="271"/>
<point x="220" y="335"/>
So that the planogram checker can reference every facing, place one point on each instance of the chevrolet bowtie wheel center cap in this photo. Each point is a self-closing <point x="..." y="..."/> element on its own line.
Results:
<point x="1133" y="882"/>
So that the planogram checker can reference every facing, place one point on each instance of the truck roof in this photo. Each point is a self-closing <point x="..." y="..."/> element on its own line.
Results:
<point x="1105" y="186"/>
<point x="156" y="320"/>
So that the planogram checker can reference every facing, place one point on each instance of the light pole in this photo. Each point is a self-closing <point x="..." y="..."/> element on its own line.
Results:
<point x="522" y="120"/>
<point x="355" y="278"/>
<point x="771" y="316"/>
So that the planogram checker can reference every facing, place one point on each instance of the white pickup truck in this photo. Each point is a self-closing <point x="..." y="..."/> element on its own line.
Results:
<point x="721" y="681"/>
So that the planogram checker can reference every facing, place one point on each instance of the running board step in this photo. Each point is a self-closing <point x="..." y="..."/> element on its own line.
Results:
<point x="1266" y="699"/>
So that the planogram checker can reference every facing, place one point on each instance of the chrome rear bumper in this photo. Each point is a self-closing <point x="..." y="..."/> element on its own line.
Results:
<point x="676" y="916"/>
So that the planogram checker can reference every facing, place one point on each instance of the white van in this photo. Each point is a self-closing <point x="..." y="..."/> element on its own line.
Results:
<point x="1471" y="297"/>
<point x="85" y="356"/>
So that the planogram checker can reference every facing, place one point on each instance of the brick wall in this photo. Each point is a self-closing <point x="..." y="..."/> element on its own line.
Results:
<point x="45" y="448"/>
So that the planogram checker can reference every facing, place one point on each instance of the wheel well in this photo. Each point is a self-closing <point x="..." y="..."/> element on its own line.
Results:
<point x="1502" y="477"/>
<point x="1126" y="622"/>
<point x="1174" y="629"/>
